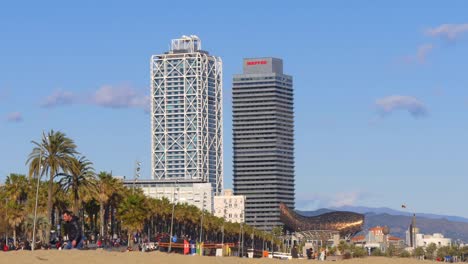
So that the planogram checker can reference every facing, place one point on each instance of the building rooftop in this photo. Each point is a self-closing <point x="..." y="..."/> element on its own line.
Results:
<point x="358" y="238"/>
<point x="185" y="43"/>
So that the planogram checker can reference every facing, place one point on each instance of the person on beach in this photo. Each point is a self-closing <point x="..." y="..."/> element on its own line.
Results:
<point x="73" y="231"/>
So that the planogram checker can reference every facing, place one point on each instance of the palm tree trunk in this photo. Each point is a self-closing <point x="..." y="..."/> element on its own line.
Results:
<point x="14" y="236"/>
<point x="75" y="201"/>
<point x="129" y="239"/>
<point x="49" y="208"/>
<point x="101" y="216"/>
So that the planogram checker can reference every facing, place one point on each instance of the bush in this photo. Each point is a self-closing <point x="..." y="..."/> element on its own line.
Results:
<point x="347" y="255"/>
<point x="391" y="251"/>
<point x="359" y="252"/>
<point x="332" y="250"/>
<point x="418" y="252"/>
<point x="404" y="254"/>
<point x="376" y="252"/>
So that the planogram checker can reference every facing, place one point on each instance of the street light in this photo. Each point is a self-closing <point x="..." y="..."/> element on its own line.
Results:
<point x="203" y="213"/>
<point x="6" y="218"/>
<point x="37" y="198"/>
<point x="137" y="174"/>
<point x="253" y="234"/>
<point x="241" y="240"/>
<point x="222" y="238"/>
<point x="172" y="217"/>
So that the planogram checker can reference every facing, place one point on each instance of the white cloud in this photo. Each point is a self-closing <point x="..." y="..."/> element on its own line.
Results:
<point x="421" y="54"/>
<point x="393" y="103"/>
<point x="120" y="97"/>
<point x="448" y="31"/>
<point x="14" y="117"/>
<point x="105" y="96"/>
<point x="58" y="98"/>
<point x="326" y="200"/>
<point x="348" y="198"/>
<point x="423" y="50"/>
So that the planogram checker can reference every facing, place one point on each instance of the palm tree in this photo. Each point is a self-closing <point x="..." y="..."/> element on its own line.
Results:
<point x="133" y="212"/>
<point x="16" y="192"/>
<point x="79" y="182"/>
<point x="16" y="215"/>
<point x="53" y="153"/>
<point x="106" y="185"/>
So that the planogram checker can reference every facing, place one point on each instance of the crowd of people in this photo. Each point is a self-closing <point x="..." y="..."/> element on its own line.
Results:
<point x="75" y="239"/>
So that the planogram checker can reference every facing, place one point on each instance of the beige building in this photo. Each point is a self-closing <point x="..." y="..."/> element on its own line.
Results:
<point x="198" y="194"/>
<point x="438" y="239"/>
<point x="230" y="207"/>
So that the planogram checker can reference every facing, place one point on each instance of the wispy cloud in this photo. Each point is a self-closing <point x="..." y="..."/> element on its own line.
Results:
<point x="423" y="50"/>
<point x="325" y="200"/>
<point x="421" y="54"/>
<point x="59" y="98"/>
<point x="4" y="94"/>
<point x="120" y="97"/>
<point x="14" y="117"/>
<point x="106" y="96"/>
<point x="448" y="31"/>
<point x="393" y="103"/>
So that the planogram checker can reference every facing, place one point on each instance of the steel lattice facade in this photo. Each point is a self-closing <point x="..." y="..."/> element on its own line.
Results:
<point x="186" y="115"/>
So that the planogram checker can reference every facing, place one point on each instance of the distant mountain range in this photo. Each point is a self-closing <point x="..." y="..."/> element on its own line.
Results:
<point x="454" y="227"/>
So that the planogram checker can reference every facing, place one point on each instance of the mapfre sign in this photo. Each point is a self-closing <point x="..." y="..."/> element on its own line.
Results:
<point x="250" y="63"/>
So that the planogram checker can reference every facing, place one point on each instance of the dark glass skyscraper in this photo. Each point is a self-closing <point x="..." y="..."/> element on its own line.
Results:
<point x="263" y="137"/>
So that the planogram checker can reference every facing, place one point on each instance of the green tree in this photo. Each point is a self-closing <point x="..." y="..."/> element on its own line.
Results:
<point x="132" y="211"/>
<point x="443" y="251"/>
<point x="376" y="252"/>
<point x="358" y="252"/>
<point x="391" y="251"/>
<point x="51" y="155"/>
<point x="16" y="194"/>
<point x="430" y="250"/>
<point x="418" y="252"/>
<point x="342" y="247"/>
<point x="106" y="186"/>
<point x="404" y="254"/>
<point x="79" y="182"/>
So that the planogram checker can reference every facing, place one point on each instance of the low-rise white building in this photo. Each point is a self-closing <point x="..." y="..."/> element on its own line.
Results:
<point x="198" y="194"/>
<point x="230" y="207"/>
<point x="438" y="239"/>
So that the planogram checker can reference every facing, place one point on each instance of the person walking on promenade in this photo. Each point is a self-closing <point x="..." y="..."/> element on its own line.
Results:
<point x="73" y="231"/>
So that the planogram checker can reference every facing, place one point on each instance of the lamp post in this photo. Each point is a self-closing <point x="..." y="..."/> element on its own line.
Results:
<point x="203" y="213"/>
<point x="172" y="217"/>
<point x="37" y="198"/>
<point x="253" y="234"/>
<point x="241" y="238"/>
<point x="6" y="218"/>
<point x="137" y="174"/>
<point x="263" y="243"/>
<point x="222" y="238"/>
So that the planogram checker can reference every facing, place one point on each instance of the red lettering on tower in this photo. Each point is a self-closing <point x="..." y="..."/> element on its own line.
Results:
<point x="250" y="63"/>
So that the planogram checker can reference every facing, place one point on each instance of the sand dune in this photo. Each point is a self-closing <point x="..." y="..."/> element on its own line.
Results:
<point x="99" y="256"/>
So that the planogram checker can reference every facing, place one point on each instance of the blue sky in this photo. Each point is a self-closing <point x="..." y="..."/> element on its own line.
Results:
<point x="381" y="98"/>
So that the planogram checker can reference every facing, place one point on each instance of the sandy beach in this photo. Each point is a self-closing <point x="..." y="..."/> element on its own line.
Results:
<point x="91" y="257"/>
